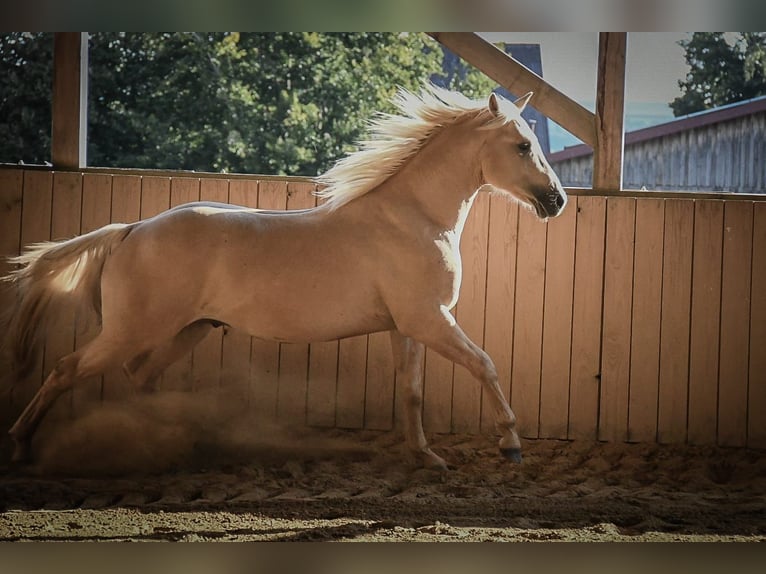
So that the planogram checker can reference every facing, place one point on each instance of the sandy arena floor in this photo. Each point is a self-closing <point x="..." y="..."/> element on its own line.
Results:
<point x="126" y="474"/>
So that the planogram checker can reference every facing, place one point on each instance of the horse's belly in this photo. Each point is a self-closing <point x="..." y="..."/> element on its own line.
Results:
<point x="294" y="319"/>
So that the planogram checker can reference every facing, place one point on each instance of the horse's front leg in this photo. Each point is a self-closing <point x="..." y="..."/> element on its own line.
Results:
<point x="441" y="333"/>
<point x="408" y="359"/>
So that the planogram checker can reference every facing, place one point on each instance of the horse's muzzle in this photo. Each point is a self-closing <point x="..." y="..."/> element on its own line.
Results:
<point x="551" y="202"/>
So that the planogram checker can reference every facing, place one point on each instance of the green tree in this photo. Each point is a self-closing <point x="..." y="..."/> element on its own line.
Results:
<point x="26" y="79"/>
<point x="721" y="72"/>
<point x="277" y="103"/>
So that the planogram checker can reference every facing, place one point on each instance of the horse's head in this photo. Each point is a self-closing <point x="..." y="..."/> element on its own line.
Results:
<point x="513" y="162"/>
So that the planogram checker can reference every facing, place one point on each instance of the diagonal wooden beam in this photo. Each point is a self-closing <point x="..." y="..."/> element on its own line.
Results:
<point x="517" y="78"/>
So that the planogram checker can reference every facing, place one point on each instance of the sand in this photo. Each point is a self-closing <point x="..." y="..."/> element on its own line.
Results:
<point x="166" y="469"/>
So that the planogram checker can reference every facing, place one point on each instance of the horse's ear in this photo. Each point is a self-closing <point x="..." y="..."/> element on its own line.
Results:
<point x="493" y="105"/>
<point x="522" y="102"/>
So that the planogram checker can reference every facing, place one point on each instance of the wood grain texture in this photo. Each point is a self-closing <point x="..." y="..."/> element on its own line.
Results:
<point x="705" y="322"/>
<point x="585" y="377"/>
<point x="610" y="111"/>
<point x="646" y="317"/>
<point x="674" y="330"/>
<point x="557" y="325"/>
<point x="756" y="422"/>
<point x="618" y="300"/>
<point x="735" y="323"/>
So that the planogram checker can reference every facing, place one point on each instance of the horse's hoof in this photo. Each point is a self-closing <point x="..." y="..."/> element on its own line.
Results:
<point x="432" y="461"/>
<point x="512" y="454"/>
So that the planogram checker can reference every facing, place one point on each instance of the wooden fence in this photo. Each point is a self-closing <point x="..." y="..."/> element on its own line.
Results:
<point x="628" y="318"/>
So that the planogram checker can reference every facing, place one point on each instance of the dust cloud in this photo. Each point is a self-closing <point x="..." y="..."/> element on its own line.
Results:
<point x="173" y="430"/>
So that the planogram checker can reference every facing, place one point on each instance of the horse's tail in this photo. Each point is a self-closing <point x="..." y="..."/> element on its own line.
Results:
<point x="49" y="274"/>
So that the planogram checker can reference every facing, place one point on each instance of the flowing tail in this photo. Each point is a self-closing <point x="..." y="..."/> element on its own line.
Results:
<point x="50" y="274"/>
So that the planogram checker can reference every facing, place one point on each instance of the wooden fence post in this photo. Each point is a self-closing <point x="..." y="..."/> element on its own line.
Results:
<point x="610" y="112"/>
<point x="70" y="97"/>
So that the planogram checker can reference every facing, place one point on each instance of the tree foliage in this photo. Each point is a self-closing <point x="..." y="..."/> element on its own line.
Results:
<point x="26" y="80"/>
<point x="721" y="72"/>
<point x="277" y="103"/>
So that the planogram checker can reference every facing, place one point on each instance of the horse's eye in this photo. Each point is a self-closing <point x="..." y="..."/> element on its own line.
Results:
<point x="524" y="147"/>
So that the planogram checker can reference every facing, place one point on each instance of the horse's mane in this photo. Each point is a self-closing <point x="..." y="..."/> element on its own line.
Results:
<point x="393" y="139"/>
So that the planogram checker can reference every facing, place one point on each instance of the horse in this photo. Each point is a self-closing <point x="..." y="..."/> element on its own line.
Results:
<point x="380" y="253"/>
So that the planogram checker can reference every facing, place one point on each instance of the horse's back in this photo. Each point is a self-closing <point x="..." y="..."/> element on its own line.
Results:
<point x="290" y="275"/>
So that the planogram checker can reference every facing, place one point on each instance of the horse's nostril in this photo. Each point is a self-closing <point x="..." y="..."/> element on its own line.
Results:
<point x="560" y="201"/>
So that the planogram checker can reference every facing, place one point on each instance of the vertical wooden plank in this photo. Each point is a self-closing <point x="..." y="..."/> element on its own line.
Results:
<point x="705" y="322"/>
<point x="322" y="384"/>
<point x="587" y="303"/>
<point x="466" y="391"/>
<point x="501" y="290"/>
<point x="155" y="196"/>
<point x="178" y="376"/>
<point x="735" y="323"/>
<point x="645" y="337"/>
<point x="294" y="358"/>
<point x="352" y="375"/>
<point x="379" y="393"/>
<point x="184" y="190"/>
<point x="264" y="385"/>
<point x="239" y="367"/>
<point x="557" y="325"/>
<point x="206" y="357"/>
<point x="35" y="227"/>
<point x="618" y="299"/>
<point x="65" y="224"/>
<point x="610" y="111"/>
<point x="96" y="212"/>
<point x="126" y="208"/>
<point x="756" y="422"/>
<point x="674" y="330"/>
<point x="528" y="333"/>
<point x="11" y="199"/>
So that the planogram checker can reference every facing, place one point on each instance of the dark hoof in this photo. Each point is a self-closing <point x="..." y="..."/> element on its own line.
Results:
<point x="512" y="454"/>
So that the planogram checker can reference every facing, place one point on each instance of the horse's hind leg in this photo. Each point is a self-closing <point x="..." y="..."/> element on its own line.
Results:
<point x="408" y="359"/>
<point x="144" y="369"/>
<point x="90" y="360"/>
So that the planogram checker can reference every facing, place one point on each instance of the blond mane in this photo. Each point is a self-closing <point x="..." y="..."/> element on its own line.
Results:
<point x="393" y="139"/>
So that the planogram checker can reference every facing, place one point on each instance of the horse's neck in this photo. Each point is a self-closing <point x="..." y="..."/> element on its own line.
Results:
<point x="439" y="182"/>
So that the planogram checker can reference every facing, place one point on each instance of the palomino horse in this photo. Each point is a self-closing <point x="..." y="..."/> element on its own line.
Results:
<point x="380" y="254"/>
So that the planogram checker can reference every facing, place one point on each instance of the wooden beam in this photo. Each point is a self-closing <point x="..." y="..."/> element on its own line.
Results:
<point x="610" y="112"/>
<point x="69" y="122"/>
<point x="515" y="77"/>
